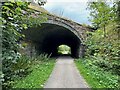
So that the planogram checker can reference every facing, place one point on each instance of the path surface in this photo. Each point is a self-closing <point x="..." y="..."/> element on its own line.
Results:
<point x="65" y="75"/>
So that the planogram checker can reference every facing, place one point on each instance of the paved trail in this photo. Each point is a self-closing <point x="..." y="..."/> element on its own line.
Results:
<point x="65" y="75"/>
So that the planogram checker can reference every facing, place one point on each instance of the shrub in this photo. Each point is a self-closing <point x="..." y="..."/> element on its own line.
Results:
<point x="104" y="49"/>
<point x="18" y="69"/>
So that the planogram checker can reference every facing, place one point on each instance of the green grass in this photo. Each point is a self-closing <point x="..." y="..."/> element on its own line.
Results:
<point x="96" y="77"/>
<point x="41" y="71"/>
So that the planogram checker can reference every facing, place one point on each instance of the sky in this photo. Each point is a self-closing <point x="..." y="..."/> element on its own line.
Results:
<point x="70" y="9"/>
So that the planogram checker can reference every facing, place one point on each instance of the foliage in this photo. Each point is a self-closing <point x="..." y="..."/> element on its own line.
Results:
<point x="31" y="69"/>
<point x="101" y="14"/>
<point x="41" y="68"/>
<point x="18" y="69"/>
<point x="105" y="49"/>
<point x="103" y="52"/>
<point x="40" y="2"/>
<point x="117" y="4"/>
<point x="95" y="76"/>
<point x="21" y="66"/>
<point x="64" y="49"/>
<point x="43" y="57"/>
<point x="16" y="16"/>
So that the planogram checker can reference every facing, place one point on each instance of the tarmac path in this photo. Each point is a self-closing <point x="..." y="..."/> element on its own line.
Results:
<point x="65" y="75"/>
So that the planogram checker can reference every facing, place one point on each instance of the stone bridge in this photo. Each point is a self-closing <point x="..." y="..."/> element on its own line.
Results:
<point x="54" y="32"/>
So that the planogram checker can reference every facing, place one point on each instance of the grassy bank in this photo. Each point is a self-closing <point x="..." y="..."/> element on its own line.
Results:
<point x="95" y="76"/>
<point x="40" y="72"/>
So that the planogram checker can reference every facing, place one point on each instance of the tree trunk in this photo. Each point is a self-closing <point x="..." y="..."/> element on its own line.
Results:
<point x="104" y="31"/>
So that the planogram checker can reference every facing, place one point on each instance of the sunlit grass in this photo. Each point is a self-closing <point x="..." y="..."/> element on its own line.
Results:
<point x="36" y="79"/>
<point x="96" y="77"/>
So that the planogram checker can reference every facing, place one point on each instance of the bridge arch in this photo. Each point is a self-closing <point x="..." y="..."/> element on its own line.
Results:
<point x="68" y="26"/>
<point x="53" y="33"/>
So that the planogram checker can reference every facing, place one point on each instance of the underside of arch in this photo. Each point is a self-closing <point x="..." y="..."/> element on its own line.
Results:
<point x="48" y="37"/>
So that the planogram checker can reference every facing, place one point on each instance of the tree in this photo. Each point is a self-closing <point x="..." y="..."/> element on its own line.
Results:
<point x="118" y="18"/>
<point x="39" y="2"/>
<point x="100" y="13"/>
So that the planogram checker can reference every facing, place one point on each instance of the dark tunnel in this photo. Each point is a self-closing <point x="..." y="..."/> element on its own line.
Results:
<point x="48" y="37"/>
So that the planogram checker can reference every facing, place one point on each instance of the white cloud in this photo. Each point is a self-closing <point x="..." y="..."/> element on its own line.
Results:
<point x="67" y="6"/>
<point x="72" y="10"/>
<point x="75" y="7"/>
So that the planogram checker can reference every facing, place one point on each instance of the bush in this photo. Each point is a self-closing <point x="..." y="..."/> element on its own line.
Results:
<point x="17" y="69"/>
<point x="104" y="49"/>
<point x="21" y="67"/>
<point x="95" y="76"/>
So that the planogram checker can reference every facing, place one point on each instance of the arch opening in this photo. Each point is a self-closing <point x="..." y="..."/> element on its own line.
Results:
<point x="49" y="37"/>
<point x="64" y="50"/>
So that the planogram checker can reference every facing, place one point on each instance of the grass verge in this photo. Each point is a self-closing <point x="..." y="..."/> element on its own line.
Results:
<point x="41" y="71"/>
<point x="95" y="76"/>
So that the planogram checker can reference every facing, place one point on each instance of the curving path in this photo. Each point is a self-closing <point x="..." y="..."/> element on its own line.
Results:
<point x="65" y="75"/>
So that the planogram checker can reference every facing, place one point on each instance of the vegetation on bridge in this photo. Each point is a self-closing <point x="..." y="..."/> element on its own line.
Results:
<point x="16" y="17"/>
